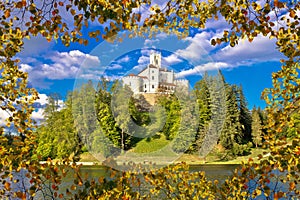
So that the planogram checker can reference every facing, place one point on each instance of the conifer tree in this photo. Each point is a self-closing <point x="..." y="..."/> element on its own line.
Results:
<point x="232" y="130"/>
<point x="245" y="116"/>
<point x="203" y="99"/>
<point x="257" y="132"/>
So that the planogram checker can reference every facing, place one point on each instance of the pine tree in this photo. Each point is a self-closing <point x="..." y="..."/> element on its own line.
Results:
<point x="188" y="123"/>
<point x="217" y="105"/>
<point x="203" y="99"/>
<point x="245" y="116"/>
<point x="257" y="132"/>
<point x="232" y="131"/>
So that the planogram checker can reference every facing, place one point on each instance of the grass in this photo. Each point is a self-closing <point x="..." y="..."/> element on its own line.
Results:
<point x="87" y="157"/>
<point x="152" y="145"/>
<point x="238" y="160"/>
<point x="159" y="149"/>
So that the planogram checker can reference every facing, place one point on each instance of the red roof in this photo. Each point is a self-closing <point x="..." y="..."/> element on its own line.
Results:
<point x="143" y="77"/>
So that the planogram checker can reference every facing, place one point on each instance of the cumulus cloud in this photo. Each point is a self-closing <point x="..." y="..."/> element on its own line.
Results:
<point x="171" y="59"/>
<point x="38" y="114"/>
<point x="143" y="60"/>
<point x="150" y="42"/>
<point x="124" y="59"/>
<point x="262" y="49"/>
<point x="3" y="116"/>
<point x="25" y="68"/>
<point x="199" y="46"/>
<point x="58" y="66"/>
<point x="114" y="67"/>
<point x="43" y="99"/>
<point x="200" y="69"/>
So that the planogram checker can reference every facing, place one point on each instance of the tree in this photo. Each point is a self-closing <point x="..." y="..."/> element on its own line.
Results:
<point x="203" y="99"/>
<point x="247" y="20"/>
<point x="232" y="130"/>
<point x="173" y="109"/>
<point x="120" y="104"/>
<point x="84" y="112"/>
<point x="57" y="137"/>
<point x="245" y="116"/>
<point x="257" y="132"/>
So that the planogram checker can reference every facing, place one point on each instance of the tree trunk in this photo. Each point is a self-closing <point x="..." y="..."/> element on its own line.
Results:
<point x="122" y="141"/>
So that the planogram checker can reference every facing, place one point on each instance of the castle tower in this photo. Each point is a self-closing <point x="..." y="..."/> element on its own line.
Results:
<point x="155" y="59"/>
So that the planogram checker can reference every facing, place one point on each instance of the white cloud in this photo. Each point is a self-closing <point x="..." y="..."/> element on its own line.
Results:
<point x="43" y="99"/>
<point x="124" y="59"/>
<point x="3" y="116"/>
<point x="150" y="42"/>
<point x="25" y="68"/>
<point x="200" y="69"/>
<point x="60" y="65"/>
<point x="144" y="60"/>
<point x="75" y="58"/>
<point x="171" y="59"/>
<point x="260" y="50"/>
<point x="162" y="35"/>
<point x="38" y="115"/>
<point x="199" y="46"/>
<point x="114" y="67"/>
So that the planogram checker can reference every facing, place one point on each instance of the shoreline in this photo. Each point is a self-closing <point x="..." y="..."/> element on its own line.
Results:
<point x="97" y="163"/>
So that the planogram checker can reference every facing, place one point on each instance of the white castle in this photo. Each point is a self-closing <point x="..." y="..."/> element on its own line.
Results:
<point x="154" y="78"/>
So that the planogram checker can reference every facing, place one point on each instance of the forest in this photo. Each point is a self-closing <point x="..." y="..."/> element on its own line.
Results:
<point x="93" y="120"/>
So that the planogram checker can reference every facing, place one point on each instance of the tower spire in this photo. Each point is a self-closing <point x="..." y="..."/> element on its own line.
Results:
<point x="155" y="59"/>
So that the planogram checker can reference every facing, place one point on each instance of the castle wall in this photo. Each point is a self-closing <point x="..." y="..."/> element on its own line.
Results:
<point x="134" y="82"/>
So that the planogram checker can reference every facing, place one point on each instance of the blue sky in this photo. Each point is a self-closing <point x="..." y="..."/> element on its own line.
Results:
<point x="53" y="67"/>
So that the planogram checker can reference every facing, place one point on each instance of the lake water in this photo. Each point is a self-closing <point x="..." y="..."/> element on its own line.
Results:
<point x="213" y="172"/>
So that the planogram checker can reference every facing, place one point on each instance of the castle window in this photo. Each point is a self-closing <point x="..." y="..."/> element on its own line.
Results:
<point x="145" y="86"/>
<point x="152" y="71"/>
<point x="152" y="77"/>
<point x="129" y="83"/>
<point x="152" y="86"/>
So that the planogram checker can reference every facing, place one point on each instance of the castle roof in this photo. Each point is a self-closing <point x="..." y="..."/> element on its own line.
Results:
<point x="145" y="77"/>
<point x="152" y="66"/>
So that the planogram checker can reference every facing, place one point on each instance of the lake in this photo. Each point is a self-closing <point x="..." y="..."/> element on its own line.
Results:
<point x="213" y="172"/>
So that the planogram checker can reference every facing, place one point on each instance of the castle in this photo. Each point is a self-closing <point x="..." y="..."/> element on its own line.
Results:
<point x="154" y="78"/>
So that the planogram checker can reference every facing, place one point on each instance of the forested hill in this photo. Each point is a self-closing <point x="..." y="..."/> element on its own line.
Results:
<point x="93" y="120"/>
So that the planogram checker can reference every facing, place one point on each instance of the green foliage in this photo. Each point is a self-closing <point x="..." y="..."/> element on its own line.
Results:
<point x="245" y="116"/>
<point x="152" y="144"/>
<point x="257" y="132"/>
<point x="172" y="107"/>
<point x="57" y="137"/>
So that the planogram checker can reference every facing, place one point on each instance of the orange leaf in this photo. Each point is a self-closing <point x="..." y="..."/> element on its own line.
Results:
<point x="7" y="186"/>
<point x="7" y="13"/>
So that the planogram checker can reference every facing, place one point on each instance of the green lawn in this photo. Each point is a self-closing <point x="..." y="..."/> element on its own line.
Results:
<point x="152" y="145"/>
<point x="159" y="149"/>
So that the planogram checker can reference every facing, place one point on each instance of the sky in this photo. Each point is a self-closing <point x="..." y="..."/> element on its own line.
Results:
<point x="54" y="68"/>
